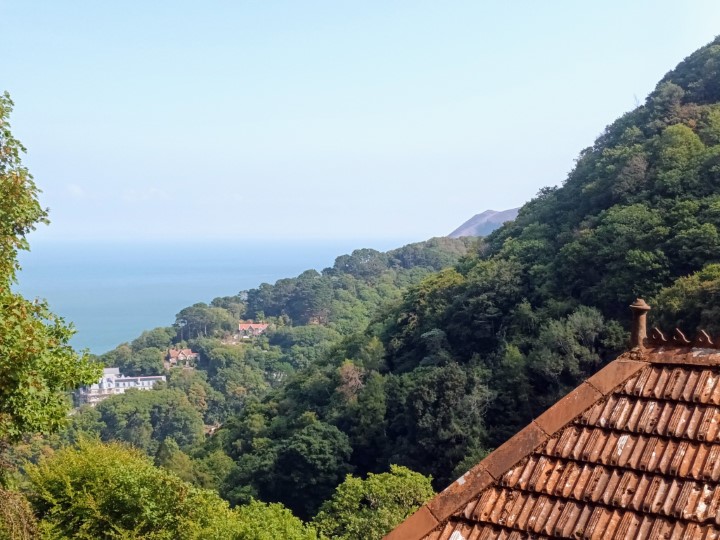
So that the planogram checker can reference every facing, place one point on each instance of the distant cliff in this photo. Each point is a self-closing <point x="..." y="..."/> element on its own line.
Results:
<point x="484" y="223"/>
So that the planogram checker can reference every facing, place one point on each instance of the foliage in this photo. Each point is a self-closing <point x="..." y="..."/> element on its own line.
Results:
<point x="37" y="365"/>
<point x="369" y="509"/>
<point x="110" y="491"/>
<point x="260" y="521"/>
<point x="17" y="521"/>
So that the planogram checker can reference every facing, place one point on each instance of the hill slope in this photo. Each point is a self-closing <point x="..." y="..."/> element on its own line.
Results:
<point x="473" y="353"/>
<point x="484" y="223"/>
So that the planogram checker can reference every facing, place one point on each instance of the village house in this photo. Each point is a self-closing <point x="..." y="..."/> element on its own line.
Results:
<point x="180" y="358"/>
<point x="112" y="383"/>
<point x="631" y="453"/>
<point x="251" y="329"/>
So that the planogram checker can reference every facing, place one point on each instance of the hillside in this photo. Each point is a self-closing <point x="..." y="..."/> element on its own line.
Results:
<point x="474" y="352"/>
<point x="484" y="223"/>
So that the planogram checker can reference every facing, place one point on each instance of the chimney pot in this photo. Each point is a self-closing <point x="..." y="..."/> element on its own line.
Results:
<point x="639" y="328"/>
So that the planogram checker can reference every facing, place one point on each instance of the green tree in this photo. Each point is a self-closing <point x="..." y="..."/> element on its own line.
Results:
<point x="260" y="521"/>
<point x="105" y="491"/>
<point x="369" y="509"/>
<point x="37" y="365"/>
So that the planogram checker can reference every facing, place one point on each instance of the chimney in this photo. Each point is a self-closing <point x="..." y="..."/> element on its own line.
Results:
<point x="639" y="327"/>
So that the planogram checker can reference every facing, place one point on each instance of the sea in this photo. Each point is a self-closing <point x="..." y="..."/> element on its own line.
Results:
<point x="112" y="291"/>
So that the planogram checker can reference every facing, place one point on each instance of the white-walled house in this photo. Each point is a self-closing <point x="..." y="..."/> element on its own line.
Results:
<point x="113" y="382"/>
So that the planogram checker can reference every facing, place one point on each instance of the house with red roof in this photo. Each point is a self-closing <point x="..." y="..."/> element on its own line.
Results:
<point x="251" y="329"/>
<point x="180" y="358"/>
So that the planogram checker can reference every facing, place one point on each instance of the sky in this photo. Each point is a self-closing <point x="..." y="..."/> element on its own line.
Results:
<point x="317" y="120"/>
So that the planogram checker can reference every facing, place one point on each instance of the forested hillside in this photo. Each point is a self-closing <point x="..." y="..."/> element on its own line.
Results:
<point x="468" y="356"/>
<point x="420" y="359"/>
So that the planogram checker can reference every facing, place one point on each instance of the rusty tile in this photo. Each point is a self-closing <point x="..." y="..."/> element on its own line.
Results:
<point x="658" y="389"/>
<point x="522" y="519"/>
<point x="679" y="503"/>
<point x="640" y="492"/>
<point x="527" y="472"/>
<point x="597" y="524"/>
<point x="624" y="447"/>
<point x="484" y="505"/>
<point x="539" y="514"/>
<point x="555" y="475"/>
<point x="698" y="462"/>
<point x="677" y="382"/>
<point x="609" y="449"/>
<point x="626" y="526"/>
<point x="631" y="423"/>
<point x="416" y="526"/>
<point x="694" y="422"/>
<point x="566" y="441"/>
<point x="619" y="412"/>
<point x="712" y="502"/>
<point x="667" y="410"/>
<point x="582" y="482"/>
<point x="692" y="380"/>
<point x="695" y="502"/>
<point x="673" y="492"/>
<point x="567" y="481"/>
<point x="576" y="451"/>
<point x="570" y="406"/>
<point x="679" y="417"/>
<point x="650" y="416"/>
<point x="581" y="523"/>
<point x="608" y="490"/>
<point x="566" y="520"/>
<point x="714" y="397"/>
<point x="713" y="425"/>
<point x="710" y="467"/>
<point x="705" y="386"/>
<point x="635" y="459"/>
<point x="540" y="474"/>
<point x="515" y="510"/>
<point x="680" y="450"/>
<point x="665" y="458"/>
<point x="495" y="513"/>
<point x="553" y="516"/>
<point x="598" y="481"/>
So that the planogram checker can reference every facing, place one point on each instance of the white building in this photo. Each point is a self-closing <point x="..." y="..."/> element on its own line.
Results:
<point x="112" y="383"/>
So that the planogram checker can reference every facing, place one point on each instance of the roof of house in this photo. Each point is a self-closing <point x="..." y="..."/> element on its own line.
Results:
<point x="253" y="326"/>
<point x="633" y="452"/>
<point x="175" y="353"/>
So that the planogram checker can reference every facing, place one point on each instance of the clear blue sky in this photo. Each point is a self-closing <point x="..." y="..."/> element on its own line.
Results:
<point x="320" y="119"/>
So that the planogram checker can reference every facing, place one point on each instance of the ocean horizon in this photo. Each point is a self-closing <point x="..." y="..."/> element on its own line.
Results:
<point x="112" y="291"/>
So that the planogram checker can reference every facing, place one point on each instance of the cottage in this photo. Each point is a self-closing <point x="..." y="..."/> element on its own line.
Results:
<point x="180" y="358"/>
<point x="630" y="453"/>
<point x="112" y="383"/>
<point x="251" y="329"/>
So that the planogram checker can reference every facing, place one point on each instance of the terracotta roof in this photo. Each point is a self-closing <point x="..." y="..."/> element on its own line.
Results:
<point x="253" y="326"/>
<point x="175" y="353"/>
<point x="633" y="452"/>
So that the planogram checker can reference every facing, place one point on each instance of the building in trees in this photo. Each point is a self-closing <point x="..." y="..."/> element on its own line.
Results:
<point x="251" y="329"/>
<point x="180" y="358"/>
<point x="630" y="453"/>
<point x="113" y="382"/>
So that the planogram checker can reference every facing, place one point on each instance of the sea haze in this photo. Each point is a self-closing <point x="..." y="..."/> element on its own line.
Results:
<point x="114" y="291"/>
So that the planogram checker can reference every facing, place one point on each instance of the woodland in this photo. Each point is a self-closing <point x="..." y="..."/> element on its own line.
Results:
<point x="381" y="379"/>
